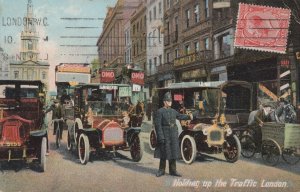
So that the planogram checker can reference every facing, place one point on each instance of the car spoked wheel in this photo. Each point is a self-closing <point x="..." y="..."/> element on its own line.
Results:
<point x="188" y="149"/>
<point x="83" y="149"/>
<point x="152" y="140"/>
<point x="43" y="154"/>
<point x="57" y="140"/>
<point x="232" y="149"/>
<point x="270" y="152"/>
<point x="136" y="148"/>
<point x="290" y="156"/>
<point x="248" y="146"/>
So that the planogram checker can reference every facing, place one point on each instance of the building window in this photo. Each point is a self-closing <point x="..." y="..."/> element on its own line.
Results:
<point x="150" y="16"/>
<point x="155" y="61"/>
<point x="16" y="74"/>
<point x="154" y="37"/>
<point x="137" y="27"/>
<point x="196" y="13"/>
<point x="133" y="30"/>
<point x="176" y="53"/>
<point x="196" y="46"/>
<point x="187" y="18"/>
<point x="159" y="35"/>
<point x="44" y="75"/>
<point x="206" y="8"/>
<point x="160" y="59"/>
<point x="206" y="43"/>
<point x="30" y="45"/>
<point x="187" y="49"/>
<point x="154" y="13"/>
<point x="176" y="23"/>
<point x="168" y="4"/>
<point x="168" y="57"/>
<point x="224" y="45"/>
<point x="149" y="39"/>
<point x="159" y="8"/>
<point x="150" y="66"/>
<point x="145" y="21"/>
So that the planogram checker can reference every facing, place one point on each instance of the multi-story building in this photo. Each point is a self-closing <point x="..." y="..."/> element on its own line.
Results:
<point x="155" y="41"/>
<point x="138" y="32"/>
<point x="4" y="63"/>
<point x="192" y="55"/>
<point x="29" y="67"/>
<point x="262" y="68"/>
<point x="111" y="43"/>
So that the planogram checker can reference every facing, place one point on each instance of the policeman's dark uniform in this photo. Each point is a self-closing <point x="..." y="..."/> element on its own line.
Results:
<point x="167" y="137"/>
<point x="56" y="114"/>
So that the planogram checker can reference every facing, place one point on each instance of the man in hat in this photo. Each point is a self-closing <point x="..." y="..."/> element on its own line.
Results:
<point x="56" y="114"/>
<point x="167" y="136"/>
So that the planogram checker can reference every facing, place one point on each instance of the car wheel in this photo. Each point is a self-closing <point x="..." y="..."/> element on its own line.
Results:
<point x="43" y="154"/>
<point x="290" y="156"/>
<point x="232" y="149"/>
<point x="188" y="149"/>
<point x="270" y="152"/>
<point x="83" y="149"/>
<point x="248" y="146"/>
<point x="136" y="148"/>
<point x="152" y="140"/>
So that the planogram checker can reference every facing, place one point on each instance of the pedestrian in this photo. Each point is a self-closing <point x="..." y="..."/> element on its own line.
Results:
<point x="149" y="110"/>
<point x="167" y="136"/>
<point x="56" y="114"/>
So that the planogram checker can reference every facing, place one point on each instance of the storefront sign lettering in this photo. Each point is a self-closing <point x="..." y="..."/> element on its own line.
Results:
<point x="137" y="78"/>
<point x="107" y="76"/>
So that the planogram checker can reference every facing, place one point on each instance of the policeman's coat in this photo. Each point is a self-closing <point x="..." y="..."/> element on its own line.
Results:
<point x="166" y="129"/>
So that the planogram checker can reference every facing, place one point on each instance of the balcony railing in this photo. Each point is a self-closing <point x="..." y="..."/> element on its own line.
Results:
<point x="165" y="67"/>
<point x="200" y="57"/>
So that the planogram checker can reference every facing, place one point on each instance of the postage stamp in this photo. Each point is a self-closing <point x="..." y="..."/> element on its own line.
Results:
<point x="262" y="28"/>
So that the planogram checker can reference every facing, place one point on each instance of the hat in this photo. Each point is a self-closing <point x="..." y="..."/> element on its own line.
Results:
<point x="167" y="97"/>
<point x="56" y="101"/>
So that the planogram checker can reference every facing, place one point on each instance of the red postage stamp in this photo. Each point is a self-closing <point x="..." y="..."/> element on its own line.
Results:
<point x="262" y="28"/>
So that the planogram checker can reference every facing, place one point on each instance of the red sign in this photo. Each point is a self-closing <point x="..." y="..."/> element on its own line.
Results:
<point x="178" y="97"/>
<point x="107" y="76"/>
<point x="262" y="28"/>
<point x="137" y="78"/>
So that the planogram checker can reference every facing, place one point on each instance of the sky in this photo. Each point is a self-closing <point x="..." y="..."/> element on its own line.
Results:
<point x="58" y="23"/>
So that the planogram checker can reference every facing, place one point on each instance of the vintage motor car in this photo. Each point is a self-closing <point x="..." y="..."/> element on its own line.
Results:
<point x="105" y="120"/>
<point x="23" y="134"/>
<point x="220" y="105"/>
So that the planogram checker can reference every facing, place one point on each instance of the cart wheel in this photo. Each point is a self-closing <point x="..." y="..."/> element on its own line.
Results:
<point x="136" y="148"/>
<point x="270" y="152"/>
<point x="69" y="143"/>
<point x="152" y="140"/>
<point x="43" y="154"/>
<point x="248" y="146"/>
<point x="232" y="149"/>
<point x="57" y="139"/>
<point x="83" y="149"/>
<point x="289" y="156"/>
<point x="188" y="149"/>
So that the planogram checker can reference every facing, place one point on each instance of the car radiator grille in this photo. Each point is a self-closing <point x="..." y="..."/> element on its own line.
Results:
<point x="215" y="136"/>
<point x="113" y="136"/>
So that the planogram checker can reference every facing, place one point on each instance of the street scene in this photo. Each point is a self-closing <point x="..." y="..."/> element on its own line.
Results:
<point x="150" y="95"/>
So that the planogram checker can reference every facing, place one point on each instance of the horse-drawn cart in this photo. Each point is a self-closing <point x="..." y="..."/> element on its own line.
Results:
<point x="280" y="139"/>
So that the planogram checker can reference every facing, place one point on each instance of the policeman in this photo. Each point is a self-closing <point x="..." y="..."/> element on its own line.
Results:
<point x="167" y="136"/>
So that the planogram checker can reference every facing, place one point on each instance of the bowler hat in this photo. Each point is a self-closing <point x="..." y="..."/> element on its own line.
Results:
<point x="167" y="97"/>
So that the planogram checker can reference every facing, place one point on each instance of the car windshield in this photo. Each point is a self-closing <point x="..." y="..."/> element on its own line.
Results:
<point x="204" y="100"/>
<point x="23" y="91"/>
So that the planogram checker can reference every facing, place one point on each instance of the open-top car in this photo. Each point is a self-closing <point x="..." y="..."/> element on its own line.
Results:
<point x="23" y="135"/>
<point x="105" y="118"/>
<point x="220" y="105"/>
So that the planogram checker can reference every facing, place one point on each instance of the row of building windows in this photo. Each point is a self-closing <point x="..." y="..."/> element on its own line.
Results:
<point x="154" y="37"/>
<point x="17" y="75"/>
<point x="154" y="12"/>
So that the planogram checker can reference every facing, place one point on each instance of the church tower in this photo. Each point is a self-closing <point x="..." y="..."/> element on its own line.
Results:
<point x="29" y="37"/>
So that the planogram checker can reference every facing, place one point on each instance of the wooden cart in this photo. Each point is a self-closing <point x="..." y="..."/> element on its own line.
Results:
<point x="279" y="139"/>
